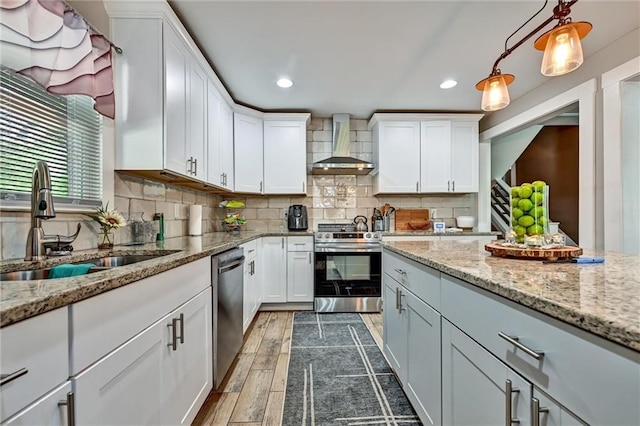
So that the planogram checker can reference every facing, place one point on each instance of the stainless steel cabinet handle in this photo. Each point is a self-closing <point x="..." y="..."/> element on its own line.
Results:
<point x="536" y="410"/>
<point x="417" y="186"/>
<point x="453" y="186"/>
<point x="260" y="186"/>
<point x="225" y="179"/>
<point x="400" y="301"/>
<point x="514" y="341"/>
<point x="309" y="258"/>
<point x="181" y="319"/>
<point x="508" y="420"/>
<point x="400" y="271"/>
<point x="397" y="299"/>
<point x="174" y="335"/>
<point x="282" y="242"/>
<point x="195" y="167"/>
<point x="190" y="165"/>
<point x="448" y="185"/>
<point x="303" y="187"/>
<point x="222" y="179"/>
<point x="8" y="378"/>
<point x="70" y="402"/>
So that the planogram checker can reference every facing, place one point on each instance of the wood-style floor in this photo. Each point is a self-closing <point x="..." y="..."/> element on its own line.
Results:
<point x="253" y="391"/>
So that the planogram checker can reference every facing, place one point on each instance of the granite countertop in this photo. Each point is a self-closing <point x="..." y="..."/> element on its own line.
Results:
<point x="20" y="300"/>
<point x="603" y="299"/>
<point x="440" y="234"/>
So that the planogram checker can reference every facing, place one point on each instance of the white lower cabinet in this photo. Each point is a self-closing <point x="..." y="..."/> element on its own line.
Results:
<point x="548" y="412"/>
<point x="287" y="272"/>
<point x="52" y="409"/>
<point x="299" y="269"/>
<point x="477" y="388"/>
<point x="160" y="376"/>
<point x="412" y="346"/>
<point x="34" y="360"/>
<point x="187" y="375"/>
<point x="274" y="273"/>
<point x="251" y="286"/>
<point x="125" y="387"/>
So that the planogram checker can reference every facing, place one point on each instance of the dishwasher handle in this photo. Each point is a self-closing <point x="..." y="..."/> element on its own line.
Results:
<point x="231" y="265"/>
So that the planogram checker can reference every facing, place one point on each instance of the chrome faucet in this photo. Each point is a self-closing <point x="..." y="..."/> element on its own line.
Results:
<point x="42" y="208"/>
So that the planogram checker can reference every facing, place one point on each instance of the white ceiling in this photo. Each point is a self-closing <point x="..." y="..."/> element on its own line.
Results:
<point x="362" y="56"/>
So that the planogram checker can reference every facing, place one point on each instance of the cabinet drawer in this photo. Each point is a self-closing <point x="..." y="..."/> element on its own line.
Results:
<point x="250" y="249"/>
<point x="423" y="281"/>
<point x="299" y="243"/>
<point x="39" y="345"/>
<point x="596" y="379"/>
<point x="102" y="323"/>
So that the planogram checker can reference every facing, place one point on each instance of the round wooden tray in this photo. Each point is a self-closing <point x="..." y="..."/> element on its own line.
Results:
<point x="525" y="253"/>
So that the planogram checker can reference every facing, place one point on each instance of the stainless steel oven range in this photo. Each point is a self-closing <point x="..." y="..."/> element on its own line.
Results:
<point x="348" y="269"/>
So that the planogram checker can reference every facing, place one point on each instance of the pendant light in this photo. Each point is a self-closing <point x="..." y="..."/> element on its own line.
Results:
<point x="562" y="54"/>
<point x="562" y="47"/>
<point x="495" y="94"/>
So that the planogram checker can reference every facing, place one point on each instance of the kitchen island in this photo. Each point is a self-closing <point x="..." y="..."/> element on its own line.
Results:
<point x="475" y="339"/>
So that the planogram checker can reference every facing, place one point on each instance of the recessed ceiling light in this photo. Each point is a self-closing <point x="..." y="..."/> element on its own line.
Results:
<point x="448" y="84"/>
<point x="284" y="82"/>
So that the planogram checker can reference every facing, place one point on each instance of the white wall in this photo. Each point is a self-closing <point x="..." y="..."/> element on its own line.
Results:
<point x="506" y="150"/>
<point x="630" y="166"/>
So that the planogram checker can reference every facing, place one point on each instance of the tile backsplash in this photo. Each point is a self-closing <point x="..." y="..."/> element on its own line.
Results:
<point x="329" y="199"/>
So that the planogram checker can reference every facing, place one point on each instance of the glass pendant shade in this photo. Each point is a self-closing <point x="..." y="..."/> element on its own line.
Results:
<point x="495" y="95"/>
<point x="563" y="52"/>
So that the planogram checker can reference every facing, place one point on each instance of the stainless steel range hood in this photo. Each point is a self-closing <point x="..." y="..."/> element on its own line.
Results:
<point x="340" y="163"/>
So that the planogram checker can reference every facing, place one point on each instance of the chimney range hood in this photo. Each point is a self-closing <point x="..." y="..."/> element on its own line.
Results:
<point x="340" y="163"/>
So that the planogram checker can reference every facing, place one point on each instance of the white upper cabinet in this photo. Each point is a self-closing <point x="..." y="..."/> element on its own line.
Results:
<point x="248" y="153"/>
<point x="285" y="153"/>
<point x="425" y="153"/>
<point x="397" y="152"/>
<point x="449" y="156"/>
<point x="219" y="139"/>
<point x="161" y="118"/>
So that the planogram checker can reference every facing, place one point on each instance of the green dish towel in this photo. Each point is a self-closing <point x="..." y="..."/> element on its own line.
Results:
<point x="68" y="270"/>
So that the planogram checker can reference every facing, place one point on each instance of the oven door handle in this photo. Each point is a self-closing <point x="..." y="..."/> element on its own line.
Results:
<point x="361" y="248"/>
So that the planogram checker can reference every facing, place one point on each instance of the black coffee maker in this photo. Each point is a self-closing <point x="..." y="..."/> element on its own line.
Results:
<point x="298" y="218"/>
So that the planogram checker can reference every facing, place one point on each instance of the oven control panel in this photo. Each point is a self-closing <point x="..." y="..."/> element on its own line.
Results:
<point x="348" y="236"/>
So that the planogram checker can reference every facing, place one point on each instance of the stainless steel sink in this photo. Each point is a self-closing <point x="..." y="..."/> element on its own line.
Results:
<point x="102" y="264"/>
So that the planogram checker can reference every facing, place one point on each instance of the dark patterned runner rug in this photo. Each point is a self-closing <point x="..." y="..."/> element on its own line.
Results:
<point x="338" y="376"/>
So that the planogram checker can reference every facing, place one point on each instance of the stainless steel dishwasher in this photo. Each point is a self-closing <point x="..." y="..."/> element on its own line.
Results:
<point x="227" y="275"/>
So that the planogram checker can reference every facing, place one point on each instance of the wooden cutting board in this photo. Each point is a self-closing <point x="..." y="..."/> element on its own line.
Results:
<point x="415" y="216"/>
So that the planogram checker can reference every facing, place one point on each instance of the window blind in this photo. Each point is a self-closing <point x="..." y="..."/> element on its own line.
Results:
<point x="64" y="131"/>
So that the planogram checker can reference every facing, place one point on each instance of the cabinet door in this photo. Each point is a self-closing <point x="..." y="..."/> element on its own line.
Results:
<point x="187" y="368"/>
<point x="197" y="131"/>
<point x="285" y="157"/>
<point x="423" y="385"/>
<point x="251" y="288"/>
<point x="394" y="323"/>
<point x="176" y="69"/>
<point x="474" y="384"/>
<point x="226" y="145"/>
<point x="214" y="136"/>
<point x="125" y="387"/>
<point x="248" y="165"/>
<point x="551" y="413"/>
<point x="300" y="276"/>
<point x="46" y="410"/>
<point x="435" y="156"/>
<point x="273" y="275"/>
<point x="464" y="156"/>
<point x="398" y="157"/>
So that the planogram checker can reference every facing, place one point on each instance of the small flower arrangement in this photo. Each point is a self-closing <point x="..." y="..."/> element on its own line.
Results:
<point x="108" y="220"/>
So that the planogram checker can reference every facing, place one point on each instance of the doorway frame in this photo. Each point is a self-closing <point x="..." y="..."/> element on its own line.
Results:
<point x="612" y="155"/>
<point x="585" y="95"/>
